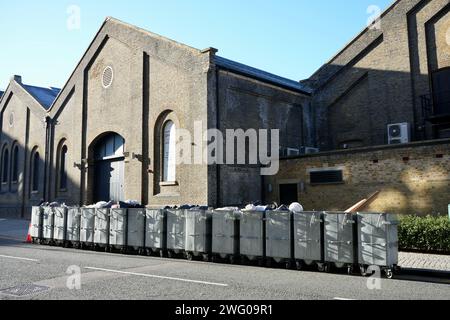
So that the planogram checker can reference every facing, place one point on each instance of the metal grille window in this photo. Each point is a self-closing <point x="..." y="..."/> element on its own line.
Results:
<point x="107" y="78"/>
<point x="327" y="177"/>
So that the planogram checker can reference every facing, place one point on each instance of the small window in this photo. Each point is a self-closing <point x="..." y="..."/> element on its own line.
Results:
<point x="15" y="165"/>
<point x="62" y="169"/>
<point x="35" y="172"/>
<point x="327" y="177"/>
<point x="169" y="152"/>
<point x="5" y="166"/>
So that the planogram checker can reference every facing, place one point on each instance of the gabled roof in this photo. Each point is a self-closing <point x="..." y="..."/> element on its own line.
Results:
<point x="45" y="96"/>
<point x="260" y="75"/>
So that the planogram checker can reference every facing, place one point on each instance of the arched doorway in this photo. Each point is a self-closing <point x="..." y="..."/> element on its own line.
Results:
<point x="109" y="168"/>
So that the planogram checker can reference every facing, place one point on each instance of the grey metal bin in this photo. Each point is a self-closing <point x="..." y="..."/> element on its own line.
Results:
<point x="36" y="224"/>
<point x="60" y="225"/>
<point x="101" y="229"/>
<point x="378" y="242"/>
<point x="225" y="235"/>
<point x="339" y="244"/>
<point x="198" y="234"/>
<point x="73" y="226"/>
<point x="87" y="227"/>
<point x="48" y="219"/>
<point x="279" y="246"/>
<point x="308" y="239"/>
<point x="176" y="232"/>
<point x="156" y="231"/>
<point x="252" y="236"/>
<point x="136" y="230"/>
<point x="118" y="229"/>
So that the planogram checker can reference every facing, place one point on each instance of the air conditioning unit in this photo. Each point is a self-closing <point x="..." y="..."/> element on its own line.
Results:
<point x="292" y="152"/>
<point x="311" y="150"/>
<point x="399" y="133"/>
<point x="289" y="152"/>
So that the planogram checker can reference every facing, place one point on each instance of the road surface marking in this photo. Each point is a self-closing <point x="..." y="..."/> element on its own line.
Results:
<point x="18" y="258"/>
<point x="157" y="277"/>
<point x="343" y="299"/>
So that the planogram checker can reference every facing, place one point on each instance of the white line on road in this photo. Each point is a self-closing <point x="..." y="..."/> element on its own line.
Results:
<point x="157" y="277"/>
<point x="18" y="258"/>
<point x="343" y="299"/>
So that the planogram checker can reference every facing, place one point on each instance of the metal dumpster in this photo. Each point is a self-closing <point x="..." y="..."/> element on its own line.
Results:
<point x="279" y="246"/>
<point x="225" y="234"/>
<point x="156" y="231"/>
<point x="73" y="226"/>
<point x="101" y="229"/>
<point x="87" y="227"/>
<point x="36" y="224"/>
<point x="308" y="239"/>
<point x="60" y="225"/>
<point x="252" y="236"/>
<point x="48" y="218"/>
<point x="198" y="234"/>
<point x="378" y="242"/>
<point x="136" y="229"/>
<point x="339" y="244"/>
<point x="118" y="229"/>
<point x="176" y="232"/>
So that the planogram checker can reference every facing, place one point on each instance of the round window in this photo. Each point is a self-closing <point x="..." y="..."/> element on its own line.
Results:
<point x="107" y="77"/>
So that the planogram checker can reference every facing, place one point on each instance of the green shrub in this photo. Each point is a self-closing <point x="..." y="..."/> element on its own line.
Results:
<point x="427" y="234"/>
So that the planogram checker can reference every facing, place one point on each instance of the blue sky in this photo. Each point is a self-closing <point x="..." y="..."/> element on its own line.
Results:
<point x="291" y="38"/>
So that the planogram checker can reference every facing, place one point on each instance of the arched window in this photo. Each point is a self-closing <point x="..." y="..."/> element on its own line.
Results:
<point x="35" y="170"/>
<point x="62" y="168"/>
<point x="169" y="152"/>
<point x="15" y="164"/>
<point x="5" y="165"/>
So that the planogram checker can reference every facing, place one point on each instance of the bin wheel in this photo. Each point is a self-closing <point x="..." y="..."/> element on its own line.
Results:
<point x="288" y="265"/>
<point x="206" y="258"/>
<point x="363" y="271"/>
<point x="299" y="265"/>
<point x="397" y="270"/>
<point x="189" y="256"/>
<point x="389" y="273"/>
<point x="350" y="270"/>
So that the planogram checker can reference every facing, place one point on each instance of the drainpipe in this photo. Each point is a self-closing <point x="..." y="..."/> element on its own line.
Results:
<point x="48" y="127"/>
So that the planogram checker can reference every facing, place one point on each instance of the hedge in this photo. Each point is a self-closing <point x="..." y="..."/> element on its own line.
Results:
<point x="425" y="234"/>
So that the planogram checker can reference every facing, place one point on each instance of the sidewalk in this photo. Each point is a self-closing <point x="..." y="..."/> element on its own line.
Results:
<point x="429" y="262"/>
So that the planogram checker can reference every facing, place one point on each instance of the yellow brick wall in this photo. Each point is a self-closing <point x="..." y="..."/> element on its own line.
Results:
<point x="420" y="185"/>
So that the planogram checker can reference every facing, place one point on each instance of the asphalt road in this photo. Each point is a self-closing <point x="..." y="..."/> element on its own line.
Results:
<point x="112" y="276"/>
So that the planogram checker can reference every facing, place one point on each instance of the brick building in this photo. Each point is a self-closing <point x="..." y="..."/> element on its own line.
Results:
<point x="109" y="133"/>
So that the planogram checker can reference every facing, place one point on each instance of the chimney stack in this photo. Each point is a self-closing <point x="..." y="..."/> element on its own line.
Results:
<point x="17" y="78"/>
